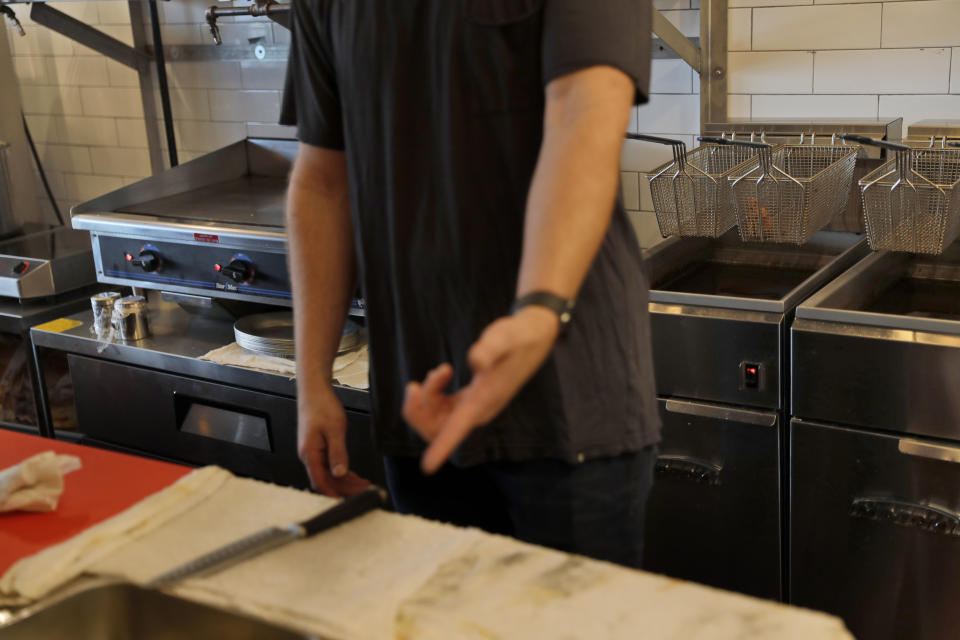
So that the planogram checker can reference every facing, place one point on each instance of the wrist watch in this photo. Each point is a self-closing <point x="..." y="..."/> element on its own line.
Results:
<point x="561" y="306"/>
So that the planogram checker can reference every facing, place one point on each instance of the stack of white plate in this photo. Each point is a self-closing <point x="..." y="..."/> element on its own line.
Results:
<point x="271" y="334"/>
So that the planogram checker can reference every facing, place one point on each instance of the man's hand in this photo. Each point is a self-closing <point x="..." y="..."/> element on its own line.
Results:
<point x="322" y="445"/>
<point x="507" y="354"/>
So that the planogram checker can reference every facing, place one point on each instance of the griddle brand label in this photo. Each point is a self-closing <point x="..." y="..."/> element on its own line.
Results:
<point x="207" y="237"/>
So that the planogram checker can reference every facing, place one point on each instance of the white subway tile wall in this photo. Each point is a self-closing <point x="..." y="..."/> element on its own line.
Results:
<point x="770" y="72"/>
<point x="670" y="76"/>
<point x="244" y="106"/>
<point x="931" y="23"/>
<point x="738" y="106"/>
<point x="883" y="71"/>
<point x="955" y="71"/>
<point x="847" y="26"/>
<point x="814" y="106"/>
<point x="789" y="58"/>
<point x="913" y="108"/>
<point x="739" y="29"/>
<point x="132" y="133"/>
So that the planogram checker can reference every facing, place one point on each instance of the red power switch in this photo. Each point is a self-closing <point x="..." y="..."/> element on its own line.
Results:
<point x="751" y="375"/>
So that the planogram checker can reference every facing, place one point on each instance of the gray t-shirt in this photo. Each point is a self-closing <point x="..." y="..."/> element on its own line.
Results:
<point x="439" y="107"/>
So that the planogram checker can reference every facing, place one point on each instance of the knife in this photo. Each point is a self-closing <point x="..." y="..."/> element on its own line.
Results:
<point x="272" y="537"/>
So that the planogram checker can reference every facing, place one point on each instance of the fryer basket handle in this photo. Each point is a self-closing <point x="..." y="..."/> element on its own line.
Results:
<point x="657" y="139"/>
<point x="742" y="143"/>
<point x="883" y="144"/>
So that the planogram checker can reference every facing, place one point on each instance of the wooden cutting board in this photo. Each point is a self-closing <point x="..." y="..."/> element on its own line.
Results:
<point x="107" y="484"/>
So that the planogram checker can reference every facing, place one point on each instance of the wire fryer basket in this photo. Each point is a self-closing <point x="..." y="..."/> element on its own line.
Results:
<point x="911" y="202"/>
<point x="691" y="194"/>
<point x="793" y="192"/>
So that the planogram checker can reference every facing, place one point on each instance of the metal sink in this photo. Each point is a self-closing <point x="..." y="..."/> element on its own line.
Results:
<point x="126" y="612"/>
<point x="894" y="290"/>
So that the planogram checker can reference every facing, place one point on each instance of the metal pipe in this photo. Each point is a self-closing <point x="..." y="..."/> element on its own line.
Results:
<point x="262" y="8"/>
<point x="164" y="87"/>
<point x="12" y="17"/>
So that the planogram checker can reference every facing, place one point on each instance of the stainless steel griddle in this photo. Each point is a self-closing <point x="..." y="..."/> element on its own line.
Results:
<point x="720" y="313"/>
<point x="213" y="226"/>
<point x="208" y="237"/>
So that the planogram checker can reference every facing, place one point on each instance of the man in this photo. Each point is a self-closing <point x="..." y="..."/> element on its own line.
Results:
<point x="465" y="155"/>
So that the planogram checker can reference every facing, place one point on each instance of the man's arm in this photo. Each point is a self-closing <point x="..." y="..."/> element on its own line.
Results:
<point x="568" y="212"/>
<point x="576" y="179"/>
<point x="321" y="262"/>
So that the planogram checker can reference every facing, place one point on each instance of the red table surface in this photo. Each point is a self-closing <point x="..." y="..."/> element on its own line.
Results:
<point x="107" y="484"/>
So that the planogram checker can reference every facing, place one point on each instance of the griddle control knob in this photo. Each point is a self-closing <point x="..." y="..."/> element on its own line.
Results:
<point x="240" y="271"/>
<point x="149" y="261"/>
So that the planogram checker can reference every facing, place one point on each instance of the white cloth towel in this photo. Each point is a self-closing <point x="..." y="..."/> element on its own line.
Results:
<point x="385" y="576"/>
<point x="236" y="356"/>
<point x="35" y="484"/>
<point x="35" y="576"/>
<point x="352" y="369"/>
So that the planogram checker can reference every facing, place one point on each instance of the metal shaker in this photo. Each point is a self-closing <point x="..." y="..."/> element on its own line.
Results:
<point x="130" y="318"/>
<point x="102" y="305"/>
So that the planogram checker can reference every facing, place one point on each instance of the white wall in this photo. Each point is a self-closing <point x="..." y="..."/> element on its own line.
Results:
<point x="805" y="58"/>
<point x="788" y="58"/>
<point x="85" y="110"/>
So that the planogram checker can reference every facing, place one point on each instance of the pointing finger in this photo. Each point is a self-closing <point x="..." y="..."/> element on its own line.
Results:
<point x="461" y="422"/>
<point x="337" y="453"/>
<point x="438" y="379"/>
<point x="319" y="476"/>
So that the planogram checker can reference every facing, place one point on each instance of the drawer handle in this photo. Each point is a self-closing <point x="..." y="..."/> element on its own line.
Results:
<point x="721" y="412"/>
<point x="687" y="468"/>
<point x="929" y="450"/>
<point x="907" y="513"/>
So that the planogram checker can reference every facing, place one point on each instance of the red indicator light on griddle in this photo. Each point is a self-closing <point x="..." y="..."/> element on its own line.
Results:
<point x="217" y="267"/>
<point x="128" y="256"/>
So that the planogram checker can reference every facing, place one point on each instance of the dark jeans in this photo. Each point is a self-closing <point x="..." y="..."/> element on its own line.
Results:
<point x="595" y="508"/>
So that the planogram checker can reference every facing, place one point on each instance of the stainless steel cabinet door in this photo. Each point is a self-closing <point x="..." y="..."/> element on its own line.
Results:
<point x="202" y="422"/>
<point x="714" y="510"/>
<point x="875" y="533"/>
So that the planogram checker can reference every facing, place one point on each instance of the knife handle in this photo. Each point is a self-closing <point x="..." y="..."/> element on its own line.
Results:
<point x="353" y="507"/>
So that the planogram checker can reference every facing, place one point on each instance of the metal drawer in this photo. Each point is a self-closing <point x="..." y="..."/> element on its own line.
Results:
<point x="877" y="378"/>
<point x="875" y="536"/>
<point x="701" y="353"/>
<point x="713" y="514"/>
<point x="248" y="432"/>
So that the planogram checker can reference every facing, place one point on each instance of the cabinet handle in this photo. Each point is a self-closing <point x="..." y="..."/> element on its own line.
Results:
<point x="686" y="468"/>
<point x="721" y="412"/>
<point x="929" y="450"/>
<point x="907" y="513"/>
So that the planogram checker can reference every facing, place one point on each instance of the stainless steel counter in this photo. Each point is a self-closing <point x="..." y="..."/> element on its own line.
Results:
<point x="177" y="340"/>
<point x="156" y="397"/>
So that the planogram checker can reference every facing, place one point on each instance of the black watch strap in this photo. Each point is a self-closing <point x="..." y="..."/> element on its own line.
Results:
<point x="561" y="306"/>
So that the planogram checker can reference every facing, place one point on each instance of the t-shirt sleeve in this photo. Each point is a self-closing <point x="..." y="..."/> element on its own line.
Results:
<point x="311" y="99"/>
<point x="579" y="34"/>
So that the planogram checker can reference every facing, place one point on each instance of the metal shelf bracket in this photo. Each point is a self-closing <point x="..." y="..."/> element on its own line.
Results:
<point x="707" y="56"/>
